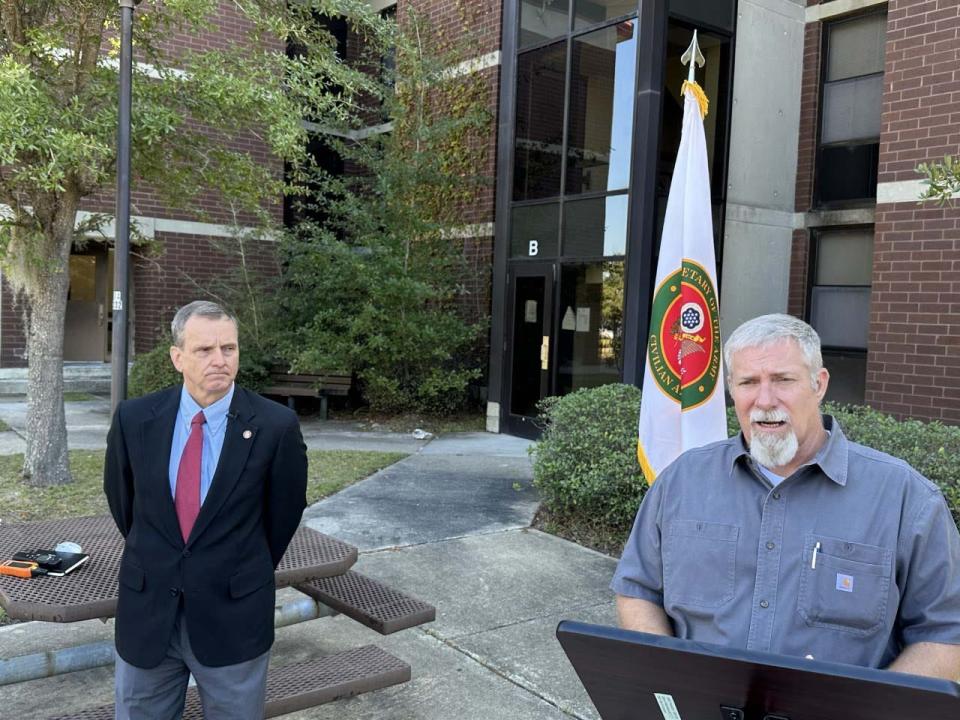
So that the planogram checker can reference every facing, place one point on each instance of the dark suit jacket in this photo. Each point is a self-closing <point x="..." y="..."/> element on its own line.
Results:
<point x="223" y="574"/>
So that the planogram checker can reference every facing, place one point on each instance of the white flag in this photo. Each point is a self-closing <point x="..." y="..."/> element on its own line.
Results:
<point x="683" y="393"/>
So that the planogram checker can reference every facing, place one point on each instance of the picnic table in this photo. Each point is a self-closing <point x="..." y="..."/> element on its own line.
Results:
<point x="315" y="564"/>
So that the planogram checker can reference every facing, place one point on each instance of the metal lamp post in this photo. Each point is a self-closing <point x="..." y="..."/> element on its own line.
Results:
<point x="121" y="270"/>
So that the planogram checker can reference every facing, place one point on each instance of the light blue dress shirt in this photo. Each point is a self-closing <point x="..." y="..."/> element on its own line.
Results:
<point x="214" y="431"/>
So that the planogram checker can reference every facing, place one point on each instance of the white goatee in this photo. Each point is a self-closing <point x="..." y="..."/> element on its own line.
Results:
<point x="773" y="450"/>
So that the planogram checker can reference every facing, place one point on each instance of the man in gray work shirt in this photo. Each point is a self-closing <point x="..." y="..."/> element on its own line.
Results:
<point x="791" y="539"/>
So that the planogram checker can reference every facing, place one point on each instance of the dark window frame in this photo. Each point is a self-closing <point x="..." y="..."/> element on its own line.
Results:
<point x="812" y="259"/>
<point x="818" y="201"/>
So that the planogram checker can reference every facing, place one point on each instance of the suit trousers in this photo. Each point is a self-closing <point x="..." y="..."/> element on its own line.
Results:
<point x="231" y="692"/>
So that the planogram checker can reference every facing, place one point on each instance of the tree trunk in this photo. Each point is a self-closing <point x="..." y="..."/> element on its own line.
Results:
<point x="46" y="461"/>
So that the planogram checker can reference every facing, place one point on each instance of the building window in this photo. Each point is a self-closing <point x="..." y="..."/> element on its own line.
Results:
<point x="538" y="157"/>
<point x="841" y="270"/>
<point x="849" y="140"/>
<point x="542" y="20"/>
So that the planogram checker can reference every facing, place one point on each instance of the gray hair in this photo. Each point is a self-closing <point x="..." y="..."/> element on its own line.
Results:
<point x="198" y="308"/>
<point x="770" y="329"/>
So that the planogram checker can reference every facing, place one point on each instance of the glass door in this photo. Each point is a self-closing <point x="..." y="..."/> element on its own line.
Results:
<point x="87" y="321"/>
<point x="529" y="351"/>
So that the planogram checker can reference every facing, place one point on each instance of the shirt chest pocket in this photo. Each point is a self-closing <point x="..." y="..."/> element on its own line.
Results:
<point x="699" y="562"/>
<point x="844" y="585"/>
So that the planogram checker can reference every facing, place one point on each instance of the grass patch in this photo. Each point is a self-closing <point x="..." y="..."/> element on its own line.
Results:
<point x="4" y="427"/>
<point x="333" y="470"/>
<point x="329" y="471"/>
<point x="74" y="396"/>
<point x="84" y="496"/>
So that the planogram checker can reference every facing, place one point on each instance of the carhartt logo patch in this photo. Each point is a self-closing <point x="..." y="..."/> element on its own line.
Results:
<point x="844" y="582"/>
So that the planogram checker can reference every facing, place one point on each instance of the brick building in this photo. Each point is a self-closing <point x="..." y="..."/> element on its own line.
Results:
<point x="881" y="94"/>
<point x="820" y="112"/>
<point x="195" y="249"/>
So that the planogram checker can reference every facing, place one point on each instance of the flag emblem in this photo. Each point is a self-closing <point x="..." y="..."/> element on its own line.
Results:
<point x="684" y="345"/>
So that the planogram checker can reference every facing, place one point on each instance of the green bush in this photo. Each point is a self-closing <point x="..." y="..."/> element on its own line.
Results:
<point x="372" y="311"/>
<point x="152" y="371"/>
<point x="585" y="465"/>
<point x="442" y="392"/>
<point x="932" y="448"/>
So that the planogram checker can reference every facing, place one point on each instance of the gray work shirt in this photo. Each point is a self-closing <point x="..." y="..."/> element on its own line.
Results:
<point x="849" y="559"/>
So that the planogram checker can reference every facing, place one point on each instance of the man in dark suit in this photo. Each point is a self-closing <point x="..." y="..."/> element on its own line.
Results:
<point x="207" y="483"/>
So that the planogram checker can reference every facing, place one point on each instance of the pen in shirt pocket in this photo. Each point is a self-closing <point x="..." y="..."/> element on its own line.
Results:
<point x="813" y="558"/>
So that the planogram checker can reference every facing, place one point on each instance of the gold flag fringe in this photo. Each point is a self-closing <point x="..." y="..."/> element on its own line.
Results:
<point x="699" y="94"/>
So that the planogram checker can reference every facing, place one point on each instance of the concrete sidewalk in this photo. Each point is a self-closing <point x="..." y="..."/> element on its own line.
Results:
<point x="449" y="524"/>
<point x="89" y="420"/>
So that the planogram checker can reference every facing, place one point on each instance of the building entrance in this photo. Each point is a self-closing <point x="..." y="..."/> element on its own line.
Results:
<point x="528" y="347"/>
<point x="87" y="325"/>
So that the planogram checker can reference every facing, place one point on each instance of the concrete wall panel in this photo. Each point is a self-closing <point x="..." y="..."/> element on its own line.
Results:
<point x="756" y="271"/>
<point x="763" y="158"/>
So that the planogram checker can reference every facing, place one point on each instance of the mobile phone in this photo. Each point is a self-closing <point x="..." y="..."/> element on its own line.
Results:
<point x="18" y="568"/>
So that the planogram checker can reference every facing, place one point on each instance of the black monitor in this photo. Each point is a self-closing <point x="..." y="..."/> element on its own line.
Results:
<point x="648" y="677"/>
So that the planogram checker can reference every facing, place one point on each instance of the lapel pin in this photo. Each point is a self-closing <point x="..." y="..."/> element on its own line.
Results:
<point x="247" y="434"/>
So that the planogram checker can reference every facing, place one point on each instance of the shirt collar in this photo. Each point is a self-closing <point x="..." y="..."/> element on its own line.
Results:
<point x="215" y="413"/>
<point x="831" y="459"/>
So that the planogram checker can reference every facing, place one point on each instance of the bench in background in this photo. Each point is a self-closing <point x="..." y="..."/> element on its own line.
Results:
<point x="318" y="385"/>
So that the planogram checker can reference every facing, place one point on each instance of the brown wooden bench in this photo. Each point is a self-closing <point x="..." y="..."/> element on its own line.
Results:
<point x="302" y="685"/>
<point x="369" y="602"/>
<point x="319" y="385"/>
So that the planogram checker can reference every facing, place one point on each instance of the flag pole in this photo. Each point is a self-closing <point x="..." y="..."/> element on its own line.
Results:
<point x="682" y="402"/>
<point x="693" y="57"/>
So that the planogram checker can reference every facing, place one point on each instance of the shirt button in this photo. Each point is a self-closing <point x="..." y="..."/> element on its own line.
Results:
<point x="776" y="496"/>
<point x="764" y="604"/>
<point x="770" y="546"/>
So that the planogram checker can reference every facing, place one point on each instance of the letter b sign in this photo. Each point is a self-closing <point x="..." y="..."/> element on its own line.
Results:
<point x="533" y="248"/>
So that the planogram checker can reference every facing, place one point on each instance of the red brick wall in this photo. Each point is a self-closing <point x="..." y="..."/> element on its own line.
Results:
<point x="192" y="267"/>
<point x="809" y="116"/>
<point x="913" y="366"/>
<point x="799" y="260"/>
<point x="478" y="277"/>
<point x="474" y="28"/>
<point x="806" y="161"/>
<point x="921" y="102"/>
<point x="13" y="346"/>
<point x="161" y="284"/>
<point x="191" y="264"/>
<point x="914" y="360"/>
<point x="452" y="18"/>
<point x="227" y="29"/>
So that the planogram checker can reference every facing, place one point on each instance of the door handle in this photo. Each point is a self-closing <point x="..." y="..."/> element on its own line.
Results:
<point x="545" y="353"/>
<point x="100" y="314"/>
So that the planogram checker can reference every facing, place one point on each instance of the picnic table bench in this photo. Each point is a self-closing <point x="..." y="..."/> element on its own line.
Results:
<point x="315" y="564"/>
<point x="316" y="384"/>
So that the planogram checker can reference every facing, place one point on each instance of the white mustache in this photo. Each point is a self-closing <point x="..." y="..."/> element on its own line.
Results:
<point x="769" y="416"/>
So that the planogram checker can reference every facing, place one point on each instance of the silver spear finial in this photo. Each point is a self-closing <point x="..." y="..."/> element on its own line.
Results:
<point x="693" y="57"/>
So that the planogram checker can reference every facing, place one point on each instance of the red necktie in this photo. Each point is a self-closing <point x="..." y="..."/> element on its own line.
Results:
<point x="186" y="499"/>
